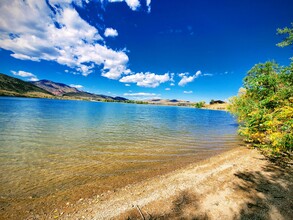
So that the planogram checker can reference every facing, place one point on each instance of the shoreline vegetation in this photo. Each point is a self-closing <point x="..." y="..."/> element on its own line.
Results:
<point x="264" y="106"/>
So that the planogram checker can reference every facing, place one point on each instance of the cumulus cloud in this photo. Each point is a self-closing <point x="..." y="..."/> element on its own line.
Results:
<point x="76" y="86"/>
<point x="172" y="77"/>
<point x="133" y="4"/>
<point x="188" y="92"/>
<point x="127" y="84"/>
<point x="142" y="95"/>
<point x="24" y="74"/>
<point x="167" y="89"/>
<point x="148" y="4"/>
<point x="33" y="79"/>
<point x="110" y="32"/>
<point x="187" y="79"/>
<point x="148" y="79"/>
<point x="53" y="31"/>
<point x="183" y="74"/>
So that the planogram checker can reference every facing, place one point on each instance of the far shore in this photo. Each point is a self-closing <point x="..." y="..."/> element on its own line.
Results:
<point x="223" y="106"/>
<point x="238" y="184"/>
<point x="181" y="103"/>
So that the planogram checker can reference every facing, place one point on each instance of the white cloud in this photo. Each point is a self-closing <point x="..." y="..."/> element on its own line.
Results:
<point x="127" y="84"/>
<point x="198" y="73"/>
<point x="172" y="84"/>
<point x="148" y="4"/>
<point x="24" y="74"/>
<point x="110" y="32"/>
<point x="148" y="79"/>
<point x="34" y="79"/>
<point x="53" y="30"/>
<point x="167" y="89"/>
<point x="187" y="79"/>
<point x="183" y="74"/>
<point x="142" y="95"/>
<point x="133" y="4"/>
<point x="172" y="77"/>
<point x="34" y="31"/>
<point x="188" y="92"/>
<point x="76" y="86"/>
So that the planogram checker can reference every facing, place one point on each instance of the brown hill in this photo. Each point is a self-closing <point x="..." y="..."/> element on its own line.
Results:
<point x="57" y="89"/>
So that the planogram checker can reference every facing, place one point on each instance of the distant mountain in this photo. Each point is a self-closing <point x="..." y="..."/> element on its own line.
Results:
<point x="91" y="96"/>
<point x="68" y="92"/>
<point x="174" y="102"/>
<point x="10" y="86"/>
<point x="57" y="89"/>
<point x="118" y="98"/>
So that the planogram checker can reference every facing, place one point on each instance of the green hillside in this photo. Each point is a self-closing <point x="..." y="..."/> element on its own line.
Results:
<point x="10" y="86"/>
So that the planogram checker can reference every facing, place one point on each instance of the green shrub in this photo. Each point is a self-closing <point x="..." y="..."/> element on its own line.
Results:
<point x="200" y="104"/>
<point x="264" y="107"/>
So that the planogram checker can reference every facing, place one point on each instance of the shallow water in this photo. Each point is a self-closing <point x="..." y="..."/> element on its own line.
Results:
<point x="51" y="148"/>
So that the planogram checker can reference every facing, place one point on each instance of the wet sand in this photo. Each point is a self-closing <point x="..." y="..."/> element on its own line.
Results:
<point x="238" y="184"/>
<point x="52" y="196"/>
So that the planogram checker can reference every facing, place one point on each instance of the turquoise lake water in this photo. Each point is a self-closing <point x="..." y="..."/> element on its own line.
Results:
<point x="49" y="146"/>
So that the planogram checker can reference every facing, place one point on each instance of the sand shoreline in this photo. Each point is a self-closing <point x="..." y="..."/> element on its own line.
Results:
<point x="238" y="184"/>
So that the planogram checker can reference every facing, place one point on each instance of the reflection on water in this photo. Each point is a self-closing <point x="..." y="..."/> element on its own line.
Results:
<point x="50" y="147"/>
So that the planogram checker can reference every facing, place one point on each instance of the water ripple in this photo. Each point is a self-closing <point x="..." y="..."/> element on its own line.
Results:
<point x="49" y="145"/>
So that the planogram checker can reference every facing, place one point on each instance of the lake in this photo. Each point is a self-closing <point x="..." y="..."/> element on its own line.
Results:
<point x="55" y="152"/>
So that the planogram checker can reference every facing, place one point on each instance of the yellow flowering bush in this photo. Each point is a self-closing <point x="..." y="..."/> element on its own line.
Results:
<point x="264" y="107"/>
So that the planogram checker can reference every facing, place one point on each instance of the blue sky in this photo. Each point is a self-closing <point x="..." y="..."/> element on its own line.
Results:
<point x="141" y="49"/>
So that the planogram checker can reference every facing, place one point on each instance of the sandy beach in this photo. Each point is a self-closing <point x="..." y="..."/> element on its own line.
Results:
<point x="238" y="184"/>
